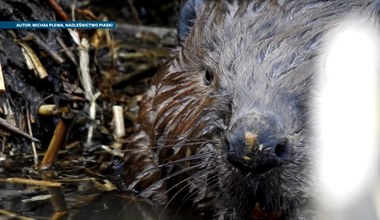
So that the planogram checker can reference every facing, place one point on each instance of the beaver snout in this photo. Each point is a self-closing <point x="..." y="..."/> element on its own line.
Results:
<point x="255" y="145"/>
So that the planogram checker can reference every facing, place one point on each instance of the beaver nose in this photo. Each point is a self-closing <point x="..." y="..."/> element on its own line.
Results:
<point x="256" y="154"/>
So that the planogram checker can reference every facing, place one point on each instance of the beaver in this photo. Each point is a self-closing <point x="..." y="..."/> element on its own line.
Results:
<point x="225" y="126"/>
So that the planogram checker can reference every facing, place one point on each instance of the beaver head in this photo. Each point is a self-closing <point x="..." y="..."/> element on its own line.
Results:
<point x="226" y="119"/>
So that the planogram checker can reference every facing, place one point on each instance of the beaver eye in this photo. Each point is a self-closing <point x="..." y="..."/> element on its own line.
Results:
<point x="209" y="77"/>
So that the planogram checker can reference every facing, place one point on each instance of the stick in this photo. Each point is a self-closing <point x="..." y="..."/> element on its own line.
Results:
<point x="35" y="156"/>
<point x="55" y="144"/>
<point x="31" y="182"/>
<point x="58" y="9"/>
<point x="168" y="34"/>
<point x="47" y="49"/>
<point x="15" y="130"/>
<point x="2" y="84"/>
<point x="34" y="60"/>
<point x="118" y="118"/>
<point x="48" y="110"/>
<point x="67" y="51"/>
<point x="13" y="215"/>
<point x="84" y="63"/>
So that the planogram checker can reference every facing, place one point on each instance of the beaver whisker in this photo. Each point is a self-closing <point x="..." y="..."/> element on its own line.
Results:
<point x="189" y="195"/>
<point x="177" y="139"/>
<point x="172" y="198"/>
<point x="185" y="159"/>
<point x="175" y="145"/>
<point x="186" y="170"/>
<point x="220" y="126"/>
<point x="184" y="144"/>
<point x="182" y="138"/>
<point x="195" y="175"/>
<point x="199" y="174"/>
<point x="212" y="187"/>
<point x="306" y="125"/>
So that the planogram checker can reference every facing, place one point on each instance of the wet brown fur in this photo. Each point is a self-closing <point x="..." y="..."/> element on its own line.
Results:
<point x="263" y="56"/>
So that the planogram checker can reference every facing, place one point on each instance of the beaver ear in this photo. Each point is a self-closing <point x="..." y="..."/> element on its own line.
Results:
<point x="187" y="16"/>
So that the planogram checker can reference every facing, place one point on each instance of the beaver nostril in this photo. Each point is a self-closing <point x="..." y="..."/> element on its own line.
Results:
<point x="281" y="149"/>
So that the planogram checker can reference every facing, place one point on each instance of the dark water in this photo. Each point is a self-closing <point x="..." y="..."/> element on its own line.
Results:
<point x="35" y="202"/>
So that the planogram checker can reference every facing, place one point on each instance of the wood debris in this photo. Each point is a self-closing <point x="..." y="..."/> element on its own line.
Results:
<point x="65" y="95"/>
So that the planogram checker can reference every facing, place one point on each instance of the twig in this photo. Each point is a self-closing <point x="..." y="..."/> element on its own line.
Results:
<point x="84" y="63"/>
<point x="134" y="12"/>
<point x="58" y="9"/>
<point x="2" y="84"/>
<point x="134" y="29"/>
<point x="33" y="61"/>
<point x="89" y="179"/>
<point x="55" y="144"/>
<point x="169" y="35"/>
<point x="57" y="197"/>
<point x="52" y="110"/>
<point x="48" y="110"/>
<point x="31" y="182"/>
<point x="74" y="36"/>
<point x="112" y="151"/>
<point x="143" y="68"/>
<point x="118" y="119"/>
<point x="67" y="51"/>
<point x="13" y="215"/>
<point x="35" y="156"/>
<point x="86" y="81"/>
<point x="36" y="198"/>
<point x="105" y="186"/>
<point x="92" y="112"/>
<point x="73" y="6"/>
<point x="72" y="145"/>
<point x="57" y="58"/>
<point x="13" y="129"/>
<point x="2" y="155"/>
